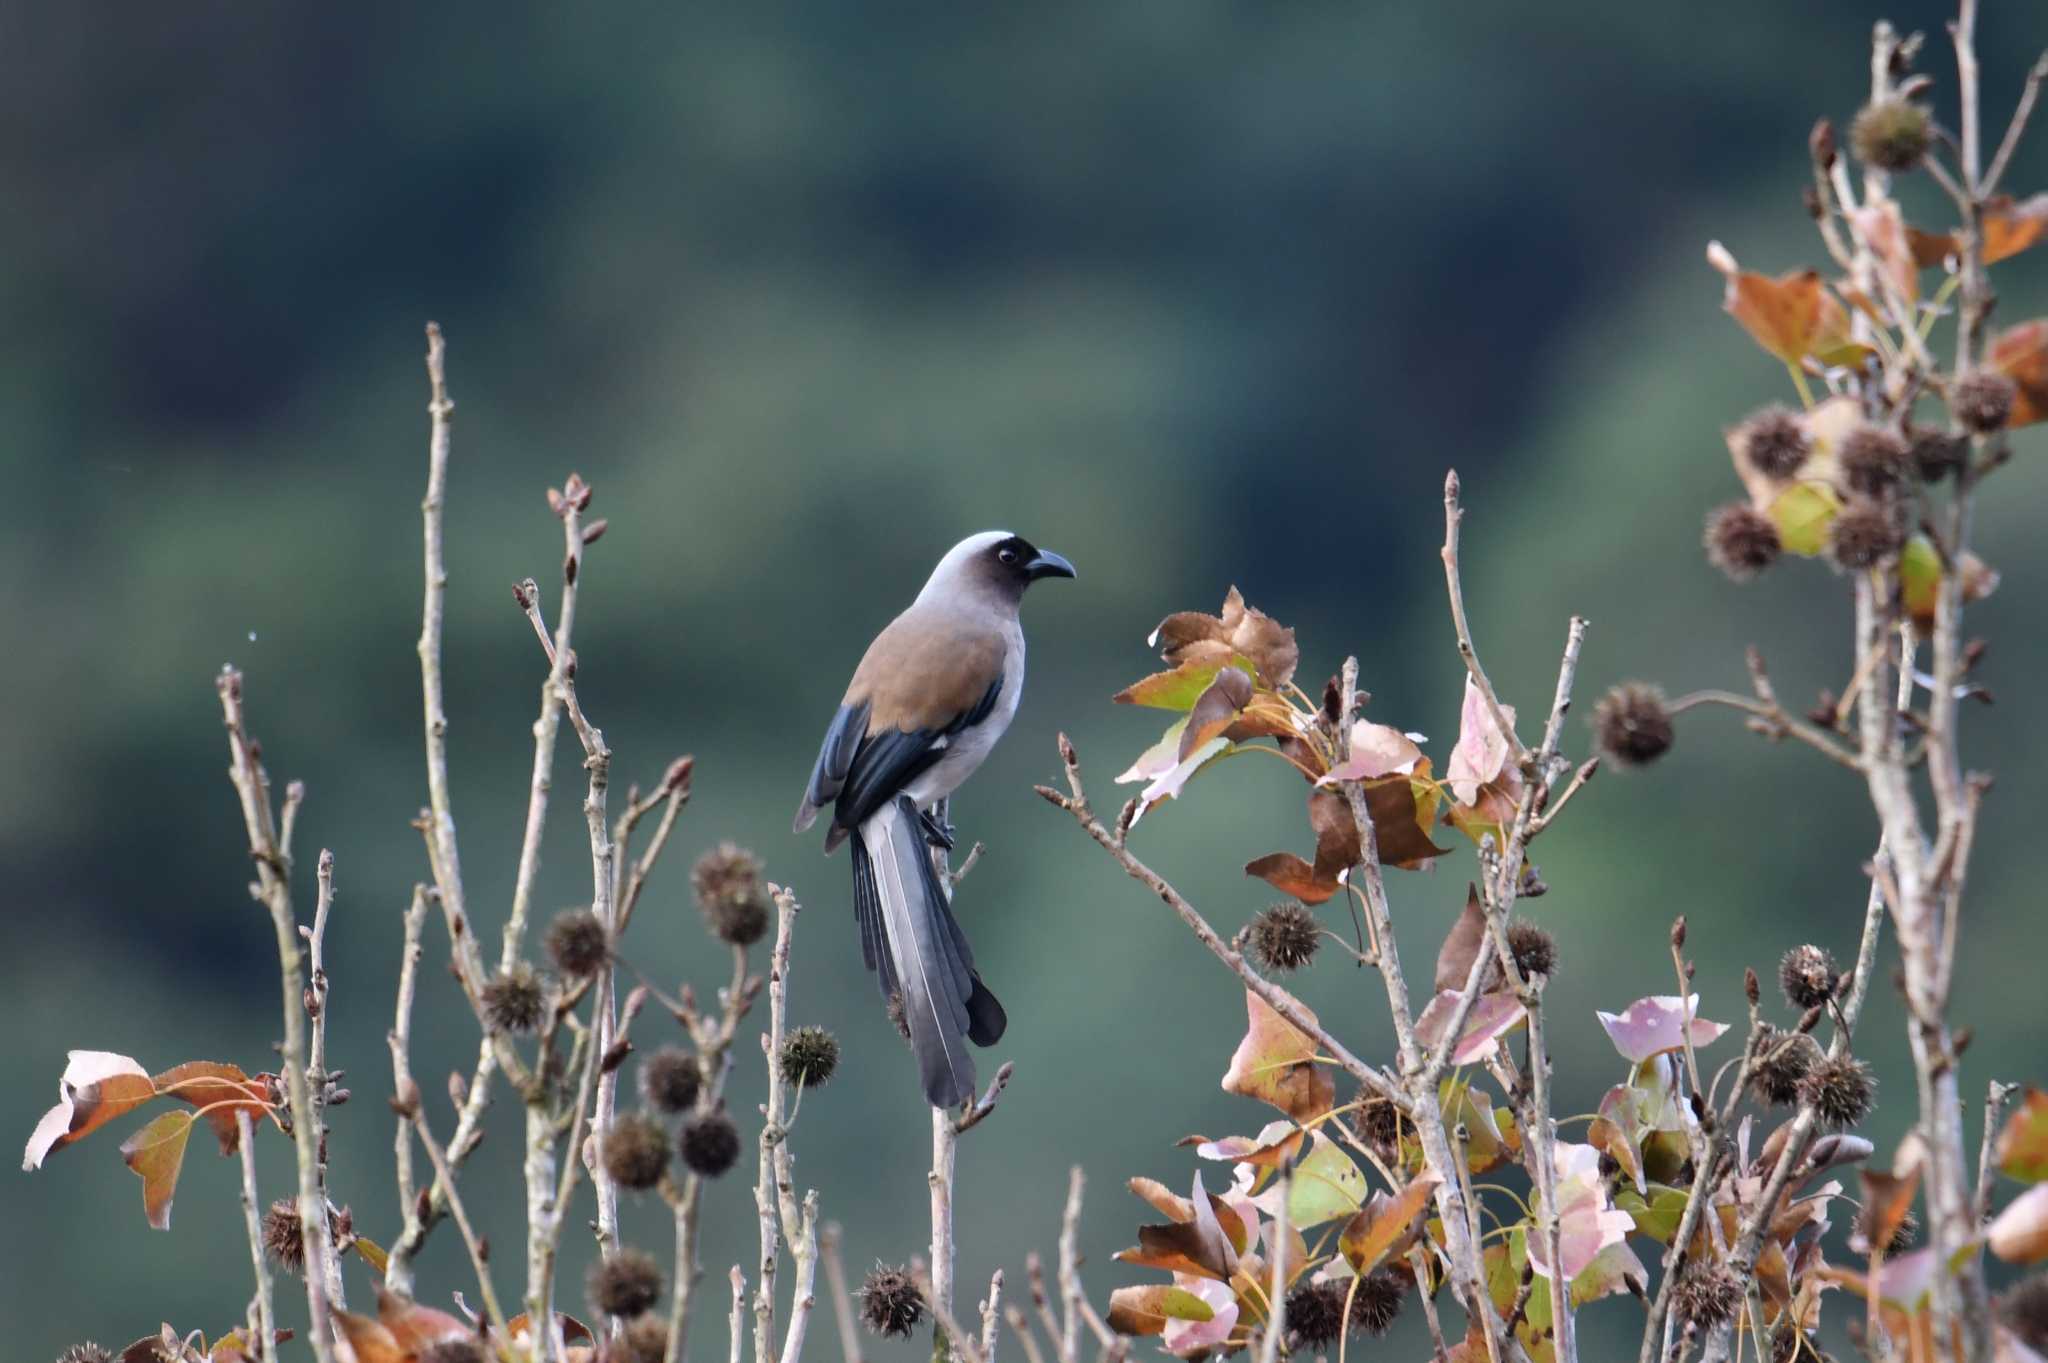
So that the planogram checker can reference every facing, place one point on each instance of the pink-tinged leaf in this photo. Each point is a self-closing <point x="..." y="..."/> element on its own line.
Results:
<point x="1169" y="786"/>
<point x="1146" y="1310"/>
<point x="1276" y="1143"/>
<point x="1492" y="1017"/>
<point x="2019" y="1234"/>
<point x="1185" y="1336"/>
<point x="2023" y="1141"/>
<point x="1376" y="750"/>
<point x="1482" y="749"/>
<point x="1906" y="1280"/>
<point x="1387" y="1225"/>
<point x="1239" y="632"/>
<point x="1654" y="1025"/>
<point x="157" y="1153"/>
<point x="1587" y="1222"/>
<point x="1159" y="759"/>
<point x="97" y="1087"/>
<point x="1276" y="1064"/>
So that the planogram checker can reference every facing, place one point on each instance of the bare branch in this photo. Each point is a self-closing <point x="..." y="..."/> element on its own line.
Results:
<point x="842" y="1296"/>
<point x="409" y="1101"/>
<point x="265" y="1321"/>
<point x="1452" y="515"/>
<point x="2018" y="127"/>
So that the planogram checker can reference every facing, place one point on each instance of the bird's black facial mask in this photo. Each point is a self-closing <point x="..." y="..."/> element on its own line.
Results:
<point x="1017" y="558"/>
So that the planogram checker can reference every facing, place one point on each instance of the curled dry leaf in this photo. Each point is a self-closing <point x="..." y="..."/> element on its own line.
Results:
<point x="1200" y="1244"/>
<point x="157" y="1154"/>
<point x="418" y="1328"/>
<point x="1462" y="945"/>
<point x="1887" y="1202"/>
<point x="97" y="1087"/>
<point x="2010" y="227"/>
<point x="1238" y="632"/>
<point x="1491" y="1018"/>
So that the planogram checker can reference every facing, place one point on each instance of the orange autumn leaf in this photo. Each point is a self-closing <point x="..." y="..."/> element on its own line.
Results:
<point x="1276" y="1063"/>
<point x="219" y="1091"/>
<point x="2010" y="227"/>
<point x="97" y="1087"/>
<point x="1792" y="316"/>
<point x="2021" y="354"/>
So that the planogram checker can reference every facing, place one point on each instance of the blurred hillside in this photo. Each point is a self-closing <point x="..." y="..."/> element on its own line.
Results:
<point x="1193" y="294"/>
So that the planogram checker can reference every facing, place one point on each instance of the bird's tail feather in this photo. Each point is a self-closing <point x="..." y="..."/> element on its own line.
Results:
<point x="911" y="940"/>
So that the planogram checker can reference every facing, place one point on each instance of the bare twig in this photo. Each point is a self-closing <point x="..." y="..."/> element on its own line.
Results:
<point x="991" y="1317"/>
<point x="479" y="1259"/>
<point x="962" y="1342"/>
<point x="441" y="833"/>
<point x="252" y="1217"/>
<point x="273" y="890"/>
<point x="1452" y="515"/>
<point x="398" y="1270"/>
<point x="2018" y="127"/>
<point x="980" y="1110"/>
<point x="1073" y="1300"/>
<point x="842" y="1297"/>
<point x="739" y="1297"/>
<point x="713" y="1035"/>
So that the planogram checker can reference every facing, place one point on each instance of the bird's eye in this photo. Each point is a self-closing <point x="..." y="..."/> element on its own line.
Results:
<point x="1007" y="555"/>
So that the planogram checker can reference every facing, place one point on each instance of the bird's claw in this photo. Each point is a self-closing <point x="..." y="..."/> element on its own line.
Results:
<point x="937" y="832"/>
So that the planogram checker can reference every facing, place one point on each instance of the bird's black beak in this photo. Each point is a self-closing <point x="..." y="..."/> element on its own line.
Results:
<point x="1047" y="564"/>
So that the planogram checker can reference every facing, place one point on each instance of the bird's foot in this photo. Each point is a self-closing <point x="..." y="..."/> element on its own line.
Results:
<point x="937" y="832"/>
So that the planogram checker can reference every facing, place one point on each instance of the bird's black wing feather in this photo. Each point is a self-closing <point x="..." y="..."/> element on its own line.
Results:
<point x="835" y="759"/>
<point x="884" y="763"/>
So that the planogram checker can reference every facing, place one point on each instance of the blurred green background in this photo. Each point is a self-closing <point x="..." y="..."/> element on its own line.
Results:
<point x="1193" y="293"/>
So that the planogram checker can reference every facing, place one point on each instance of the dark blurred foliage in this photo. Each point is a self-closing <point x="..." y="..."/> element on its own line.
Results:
<point x="1194" y="294"/>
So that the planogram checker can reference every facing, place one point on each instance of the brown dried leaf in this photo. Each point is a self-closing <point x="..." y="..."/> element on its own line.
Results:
<point x="157" y="1153"/>
<point x="1193" y="636"/>
<point x="1880" y="224"/>
<point x="2023" y="1141"/>
<point x="1462" y="946"/>
<point x="371" y="1341"/>
<point x="1145" y="1310"/>
<point x="1887" y="1201"/>
<point x="418" y="1328"/>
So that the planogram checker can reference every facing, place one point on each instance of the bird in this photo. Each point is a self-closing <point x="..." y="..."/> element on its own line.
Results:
<point x="933" y="693"/>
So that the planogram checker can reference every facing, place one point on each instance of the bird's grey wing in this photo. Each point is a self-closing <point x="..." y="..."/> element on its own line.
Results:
<point x="835" y="760"/>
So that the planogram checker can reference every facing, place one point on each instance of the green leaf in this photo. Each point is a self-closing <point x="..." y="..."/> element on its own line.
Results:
<point x="1326" y="1185"/>
<point x="1658" y="1215"/>
<point x="157" y="1153"/>
<point x="1802" y="513"/>
<point x="1145" y="1310"/>
<point x="1181" y="687"/>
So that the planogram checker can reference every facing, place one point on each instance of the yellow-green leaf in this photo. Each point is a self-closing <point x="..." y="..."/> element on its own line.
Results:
<point x="157" y="1153"/>
<point x="1802" y="513"/>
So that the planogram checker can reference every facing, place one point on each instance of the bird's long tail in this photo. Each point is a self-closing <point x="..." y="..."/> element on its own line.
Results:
<point x="910" y="938"/>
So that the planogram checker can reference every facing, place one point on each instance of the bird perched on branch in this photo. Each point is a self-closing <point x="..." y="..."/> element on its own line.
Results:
<point x="933" y="693"/>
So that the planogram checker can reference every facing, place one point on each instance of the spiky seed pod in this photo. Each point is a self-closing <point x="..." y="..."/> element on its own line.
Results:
<point x="1535" y="950"/>
<point x="1379" y="1124"/>
<point x="1632" y="724"/>
<point x="671" y="1079"/>
<point x="809" y="1056"/>
<point x="898" y="1019"/>
<point x="710" y="1144"/>
<point x="1741" y="541"/>
<point x="578" y="944"/>
<point x="1707" y="1294"/>
<point x="1779" y="1065"/>
<point x="514" y="999"/>
<point x="1874" y="462"/>
<point x="1936" y="453"/>
<point x="1377" y="1301"/>
<point x="1891" y="134"/>
<point x="626" y="1284"/>
<point x="1840" y="1091"/>
<point x="457" y="1351"/>
<point x="1982" y="400"/>
<point x="1285" y="936"/>
<point x="1807" y="975"/>
<point x="727" y="880"/>
<point x="1774" y="442"/>
<point x="890" y="1304"/>
<point x="85" y="1353"/>
<point x="283" y="1237"/>
<point x="644" y="1341"/>
<point x="1903" y="1236"/>
<point x="1864" y="534"/>
<point x="636" y="1151"/>
<point x="2024" y="1309"/>
<point x="1315" y="1313"/>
